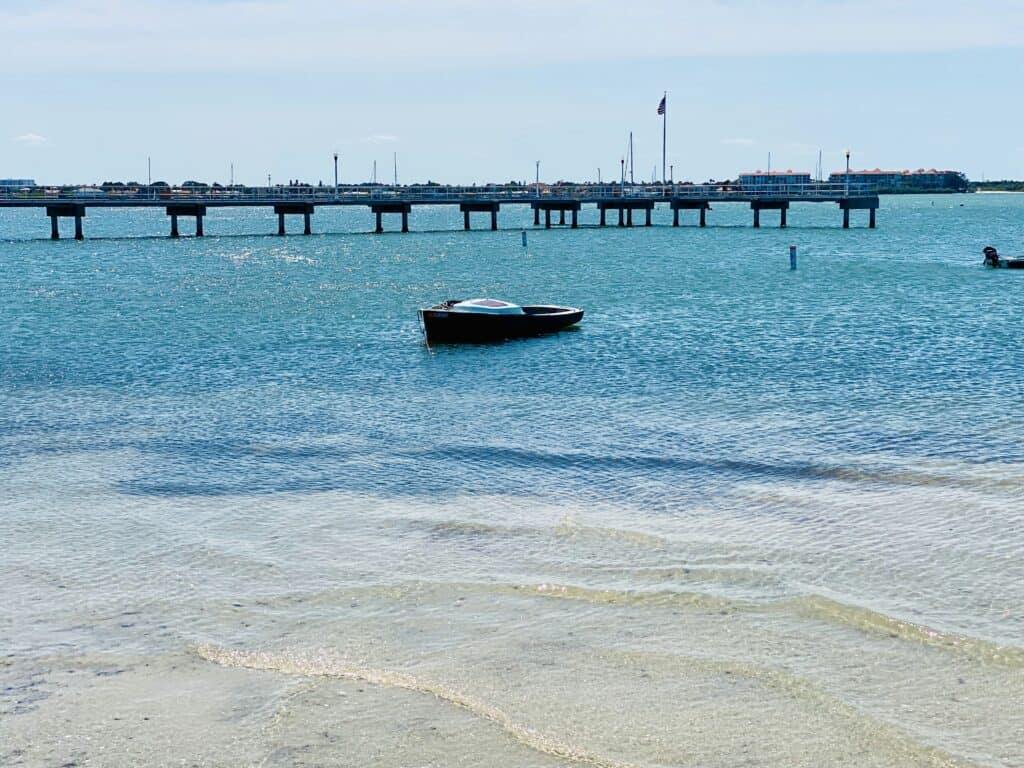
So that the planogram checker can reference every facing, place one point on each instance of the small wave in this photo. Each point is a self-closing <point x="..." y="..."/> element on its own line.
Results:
<point x="626" y="597"/>
<point x="326" y="664"/>
<point x="569" y="527"/>
<point x="867" y="620"/>
<point x="902" y="745"/>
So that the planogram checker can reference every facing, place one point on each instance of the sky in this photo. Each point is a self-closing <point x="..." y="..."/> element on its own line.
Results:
<point x="471" y="91"/>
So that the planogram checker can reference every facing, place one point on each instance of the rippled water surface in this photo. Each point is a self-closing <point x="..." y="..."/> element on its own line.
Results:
<point x="741" y="516"/>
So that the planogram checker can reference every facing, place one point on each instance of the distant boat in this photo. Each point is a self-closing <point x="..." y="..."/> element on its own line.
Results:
<point x="994" y="260"/>
<point x="484" y="320"/>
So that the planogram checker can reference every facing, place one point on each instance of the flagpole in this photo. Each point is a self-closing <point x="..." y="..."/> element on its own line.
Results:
<point x="664" y="135"/>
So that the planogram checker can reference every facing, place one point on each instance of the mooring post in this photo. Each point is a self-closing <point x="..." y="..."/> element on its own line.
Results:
<point x="380" y="223"/>
<point x="782" y="218"/>
<point x="846" y="218"/>
<point x="465" y="219"/>
<point x="675" y="217"/>
<point x="405" y="221"/>
<point x="792" y="257"/>
<point x="547" y="218"/>
<point x="536" y="217"/>
<point x="574" y="218"/>
<point x="602" y="216"/>
<point x="703" y="220"/>
<point x="54" y="229"/>
<point x="307" y="228"/>
<point x="174" y="225"/>
<point x="757" y="217"/>
<point x="280" y="223"/>
<point x="524" y="238"/>
<point x="199" y="225"/>
<point x="494" y="218"/>
<point x="871" y="218"/>
<point x="647" y="221"/>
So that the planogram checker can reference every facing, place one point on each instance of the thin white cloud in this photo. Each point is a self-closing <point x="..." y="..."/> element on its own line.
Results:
<point x="737" y="142"/>
<point x="30" y="139"/>
<point x="262" y="35"/>
<point x="379" y="138"/>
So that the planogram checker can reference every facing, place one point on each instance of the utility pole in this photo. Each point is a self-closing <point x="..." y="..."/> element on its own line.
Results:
<point x="847" y="192"/>
<point x="664" y="132"/>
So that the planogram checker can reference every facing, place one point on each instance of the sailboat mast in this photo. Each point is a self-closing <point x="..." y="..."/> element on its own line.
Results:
<point x="631" y="157"/>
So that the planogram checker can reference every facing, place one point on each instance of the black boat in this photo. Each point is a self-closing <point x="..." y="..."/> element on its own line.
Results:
<point x="994" y="260"/>
<point x="483" y="320"/>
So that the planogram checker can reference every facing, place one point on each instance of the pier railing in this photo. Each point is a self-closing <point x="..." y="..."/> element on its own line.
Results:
<point x="425" y="193"/>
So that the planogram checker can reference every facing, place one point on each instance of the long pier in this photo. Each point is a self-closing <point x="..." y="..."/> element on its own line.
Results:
<point x="622" y="200"/>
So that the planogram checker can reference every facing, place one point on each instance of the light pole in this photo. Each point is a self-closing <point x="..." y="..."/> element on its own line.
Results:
<point x="335" y="174"/>
<point x="847" y="192"/>
<point x="622" y="177"/>
<point x="536" y="185"/>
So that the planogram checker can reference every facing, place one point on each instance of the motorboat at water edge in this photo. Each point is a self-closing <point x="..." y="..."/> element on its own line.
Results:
<point x="483" y="320"/>
<point x="994" y="260"/>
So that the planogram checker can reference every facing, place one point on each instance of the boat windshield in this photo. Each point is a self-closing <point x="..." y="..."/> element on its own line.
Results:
<point x="488" y="307"/>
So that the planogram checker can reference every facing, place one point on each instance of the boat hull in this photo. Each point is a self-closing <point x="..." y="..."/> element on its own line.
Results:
<point x="443" y="326"/>
<point x="1007" y="264"/>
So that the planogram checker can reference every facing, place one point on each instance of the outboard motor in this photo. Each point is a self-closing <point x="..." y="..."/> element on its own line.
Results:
<point x="991" y="256"/>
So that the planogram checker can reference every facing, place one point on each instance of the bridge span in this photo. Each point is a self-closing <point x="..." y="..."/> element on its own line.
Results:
<point x="622" y="200"/>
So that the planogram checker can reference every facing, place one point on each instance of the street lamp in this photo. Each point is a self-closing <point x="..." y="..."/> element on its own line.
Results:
<point x="847" y="193"/>
<point x="335" y="174"/>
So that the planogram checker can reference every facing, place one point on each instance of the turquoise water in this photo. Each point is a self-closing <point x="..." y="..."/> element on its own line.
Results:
<point x="739" y="514"/>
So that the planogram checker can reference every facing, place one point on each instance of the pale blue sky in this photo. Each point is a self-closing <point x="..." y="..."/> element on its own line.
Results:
<point x="477" y="91"/>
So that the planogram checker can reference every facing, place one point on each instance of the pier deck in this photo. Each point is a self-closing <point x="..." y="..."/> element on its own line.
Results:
<point x="380" y="199"/>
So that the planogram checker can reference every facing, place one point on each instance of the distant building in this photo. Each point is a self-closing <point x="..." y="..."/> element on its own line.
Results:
<point x="906" y="181"/>
<point x="17" y="182"/>
<point x="774" y="181"/>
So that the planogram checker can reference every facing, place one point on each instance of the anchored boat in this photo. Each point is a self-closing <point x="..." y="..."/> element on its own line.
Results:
<point x="483" y="320"/>
<point x="994" y="260"/>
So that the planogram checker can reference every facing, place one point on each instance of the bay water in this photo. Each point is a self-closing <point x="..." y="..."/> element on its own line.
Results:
<point x="741" y="515"/>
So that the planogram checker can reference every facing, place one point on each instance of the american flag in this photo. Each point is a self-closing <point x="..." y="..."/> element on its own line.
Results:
<point x="661" y="105"/>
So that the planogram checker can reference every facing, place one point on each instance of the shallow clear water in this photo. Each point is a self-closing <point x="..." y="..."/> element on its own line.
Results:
<point x="740" y="516"/>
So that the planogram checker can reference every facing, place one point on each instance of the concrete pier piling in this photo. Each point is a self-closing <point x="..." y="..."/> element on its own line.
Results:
<point x="490" y="207"/>
<point x="58" y="211"/>
<point x="769" y="205"/>
<point x="870" y="204"/>
<point x="175" y="210"/>
<point x="294" y="209"/>
<point x="379" y="209"/>
<point x="678" y="204"/>
<point x="625" y="207"/>
<point x="560" y="206"/>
